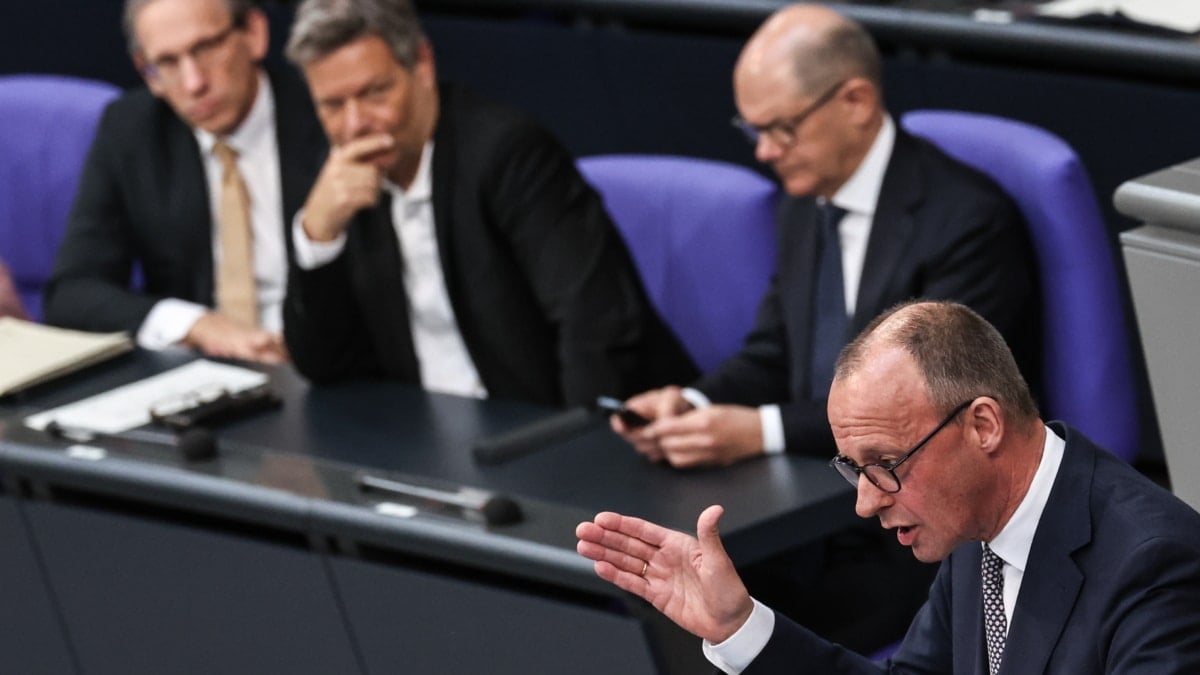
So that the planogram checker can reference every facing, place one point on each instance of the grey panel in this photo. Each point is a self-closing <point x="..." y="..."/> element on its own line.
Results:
<point x="31" y="637"/>
<point x="142" y="595"/>
<point x="1164" y="276"/>
<point x="421" y="622"/>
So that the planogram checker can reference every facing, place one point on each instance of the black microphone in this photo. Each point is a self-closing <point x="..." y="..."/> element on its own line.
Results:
<point x="195" y="444"/>
<point x="532" y="437"/>
<point x="473" y="504"/>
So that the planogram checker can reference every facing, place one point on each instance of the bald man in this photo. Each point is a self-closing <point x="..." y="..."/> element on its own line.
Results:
<point x="911" y="223"/>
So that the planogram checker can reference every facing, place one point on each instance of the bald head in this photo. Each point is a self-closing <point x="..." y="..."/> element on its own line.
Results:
<point x="811" y="45"/>
<point x="958" y="354"/>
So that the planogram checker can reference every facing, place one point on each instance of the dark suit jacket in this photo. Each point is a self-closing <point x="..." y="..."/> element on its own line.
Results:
<point x="545" y="293"/>
<point x="941" y="231"/>
<point x="1112" y="585"/>
<point x="143" y="201"/>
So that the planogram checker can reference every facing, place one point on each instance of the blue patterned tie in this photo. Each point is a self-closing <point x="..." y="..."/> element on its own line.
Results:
<point x="830" y="323"/>
<point x="995" y="626"/>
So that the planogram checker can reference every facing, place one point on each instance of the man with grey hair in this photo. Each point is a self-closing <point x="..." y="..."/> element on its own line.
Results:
<point x="1056" y="556"/>
<point x="873" y="217"/>
<point x="450" y="241"/>
<point x="190" y="183"/>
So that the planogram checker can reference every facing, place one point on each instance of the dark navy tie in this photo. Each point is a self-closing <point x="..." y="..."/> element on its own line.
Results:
<point x="830" y="323"/>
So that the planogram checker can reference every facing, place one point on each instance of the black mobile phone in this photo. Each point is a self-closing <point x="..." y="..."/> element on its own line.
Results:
<point x="614" y="406"/>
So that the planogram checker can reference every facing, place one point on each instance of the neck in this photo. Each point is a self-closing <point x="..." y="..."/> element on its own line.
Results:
<point x="1022" y="462"/>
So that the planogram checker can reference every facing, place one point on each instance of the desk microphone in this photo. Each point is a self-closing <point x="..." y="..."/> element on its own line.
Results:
<point x="477" y="505"/>
<point x="532" y="437"/>
<point x="195" y="444"/>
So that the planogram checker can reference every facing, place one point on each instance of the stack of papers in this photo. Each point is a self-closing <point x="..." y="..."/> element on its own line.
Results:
<point x="31" y="353"/>
<point x="129" y="406"/>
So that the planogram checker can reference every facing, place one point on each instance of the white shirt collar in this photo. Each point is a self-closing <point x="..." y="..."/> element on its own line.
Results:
<point x="259" y="122"/>
<point x="1016" y="538"/>
<point x="422" y="185"/>
<point x="860" y="193"/>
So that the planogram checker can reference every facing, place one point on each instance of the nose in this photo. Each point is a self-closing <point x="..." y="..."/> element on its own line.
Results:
<point x="766" y="150"/>
<point x="191" y="75"/>
<point x="357" y="120"/>
<point x="870" y="499"/>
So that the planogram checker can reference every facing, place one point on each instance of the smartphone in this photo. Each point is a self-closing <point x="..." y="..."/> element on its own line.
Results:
<point x="614" y="406"/>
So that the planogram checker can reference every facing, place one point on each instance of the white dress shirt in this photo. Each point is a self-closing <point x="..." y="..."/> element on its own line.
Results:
<point x="258" y="161"/>
<point x="1012" y="545"/>
<point x="859" y="196"/>
<point x="446" y="365"/>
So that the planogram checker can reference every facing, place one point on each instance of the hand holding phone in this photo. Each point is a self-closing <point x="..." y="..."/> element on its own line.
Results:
<point x="614" y="406"/>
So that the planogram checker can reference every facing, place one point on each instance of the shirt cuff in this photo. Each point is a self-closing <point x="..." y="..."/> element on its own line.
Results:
<point x="168" y="323"/>
<point x="738" y="650"/>
<point x="695" y="397"/>
<point x="313" y="254"/>
<point x="772" y="429"/>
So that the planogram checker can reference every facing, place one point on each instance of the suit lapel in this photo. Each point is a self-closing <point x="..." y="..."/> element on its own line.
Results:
<point x="1052" y="579"/>
<point x="381" y="279"/>
<point x="799" y="223"/>
<point x="188" y="208"/>
<point x="903" y="188"/>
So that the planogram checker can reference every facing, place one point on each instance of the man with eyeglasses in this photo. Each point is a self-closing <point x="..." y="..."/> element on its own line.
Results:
<point x="450" y="241"/>
<point x="188" y="186"/>
<point x="873" y="216"/>
<point x="1056" y="556"/>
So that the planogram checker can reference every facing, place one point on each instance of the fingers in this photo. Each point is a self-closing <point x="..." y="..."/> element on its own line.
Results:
<point x="347" y="184"/>
<point x="361" y="150"/>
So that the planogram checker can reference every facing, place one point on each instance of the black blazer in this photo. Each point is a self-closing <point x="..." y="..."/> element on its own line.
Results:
<point x="1112" y="585"/>
<point x="941" y="231"/>
<point x="143" y="200"/>
<point x="545" y="293"/>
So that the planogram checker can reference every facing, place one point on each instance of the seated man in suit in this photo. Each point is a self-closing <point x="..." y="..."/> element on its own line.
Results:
<point x="1057" y="557"/>
<point x="904" y="221"/>
<point x="450" y="241"/>
<point x="152" y="197"/>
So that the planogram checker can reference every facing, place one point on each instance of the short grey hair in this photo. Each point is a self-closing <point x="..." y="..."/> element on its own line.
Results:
<point x="324" y="26"/>
<point x="238" y="9"/>
<point x="843" y="52"/>
<point x="958" y="353"/>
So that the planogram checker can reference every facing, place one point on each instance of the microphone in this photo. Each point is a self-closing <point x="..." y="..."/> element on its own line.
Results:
<point x="195" y="444"/>
<point x="531" y="437"/>
<point x="473" y="504"/>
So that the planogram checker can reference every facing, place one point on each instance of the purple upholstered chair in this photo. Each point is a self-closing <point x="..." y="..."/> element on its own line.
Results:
<point x="702" y="234"/>
<point x="1086" y="355"/>
<point x="46" y="126"/>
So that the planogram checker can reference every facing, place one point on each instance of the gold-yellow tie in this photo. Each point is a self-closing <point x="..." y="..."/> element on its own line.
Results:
<point x="237" y="297"/>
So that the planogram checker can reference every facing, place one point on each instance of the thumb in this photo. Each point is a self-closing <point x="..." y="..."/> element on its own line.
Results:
<point x="707" y="532"/>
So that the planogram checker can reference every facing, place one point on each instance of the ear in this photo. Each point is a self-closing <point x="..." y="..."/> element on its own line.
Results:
<point x="258" y="34"/>
<point x="860" y="96"/>
<point x="425" y="69"/>
<point x="985" y="424"/>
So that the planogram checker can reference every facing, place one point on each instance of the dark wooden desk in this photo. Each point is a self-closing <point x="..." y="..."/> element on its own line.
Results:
<point x="269" y="559"/>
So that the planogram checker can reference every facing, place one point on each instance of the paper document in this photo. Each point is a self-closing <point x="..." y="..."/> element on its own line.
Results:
<point x="1180" y="15"/>
<point x="129" y="406"/>
<point x="31" y="353"/>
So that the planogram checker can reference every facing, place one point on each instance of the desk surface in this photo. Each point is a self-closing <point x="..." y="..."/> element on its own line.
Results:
<point x="772" y="504"/>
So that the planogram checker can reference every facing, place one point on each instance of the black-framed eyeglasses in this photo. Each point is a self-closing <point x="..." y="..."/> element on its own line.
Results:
<point x="203" y="52"/>
<point x="783" y="132"/>
<point x="883" y="476"/>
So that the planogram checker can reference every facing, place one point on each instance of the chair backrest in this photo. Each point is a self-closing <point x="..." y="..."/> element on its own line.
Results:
<point x="1087" y="364"/>
<point x="702" y="234"/>
<point x="48" y="122"/>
